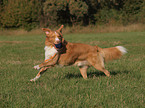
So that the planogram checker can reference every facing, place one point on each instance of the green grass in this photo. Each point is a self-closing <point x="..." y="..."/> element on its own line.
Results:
<point x="64" y="87"/>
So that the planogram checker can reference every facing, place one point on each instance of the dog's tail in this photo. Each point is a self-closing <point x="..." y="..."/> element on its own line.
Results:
<point x="113" y="52"/>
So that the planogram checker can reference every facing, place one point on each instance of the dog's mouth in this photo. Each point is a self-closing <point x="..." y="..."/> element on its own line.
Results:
<point x="58" y="46"/>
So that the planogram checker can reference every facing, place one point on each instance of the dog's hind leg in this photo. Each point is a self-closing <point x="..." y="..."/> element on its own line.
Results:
<point x="42" y="70"/>
<point x="83" y="70"/>
<point x="98" y="62"/>
<point x="99" y="67"/>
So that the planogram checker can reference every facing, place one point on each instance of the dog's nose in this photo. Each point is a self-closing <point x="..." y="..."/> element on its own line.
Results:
<point x="57" y="41"/>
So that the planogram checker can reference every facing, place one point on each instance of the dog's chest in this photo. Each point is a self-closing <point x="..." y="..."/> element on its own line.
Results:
<point x="49" y="52"/>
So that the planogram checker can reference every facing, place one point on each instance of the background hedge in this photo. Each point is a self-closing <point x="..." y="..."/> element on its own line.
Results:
<point x="29" y="14"/>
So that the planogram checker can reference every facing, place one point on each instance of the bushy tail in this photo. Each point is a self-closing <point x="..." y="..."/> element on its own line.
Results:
<point x="113" y="52"/>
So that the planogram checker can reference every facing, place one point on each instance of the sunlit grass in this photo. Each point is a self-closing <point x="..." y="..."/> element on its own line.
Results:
<point x="65" y="87"/>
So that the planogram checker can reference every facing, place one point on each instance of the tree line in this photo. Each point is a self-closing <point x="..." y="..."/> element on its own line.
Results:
<point x="29" y="14"/>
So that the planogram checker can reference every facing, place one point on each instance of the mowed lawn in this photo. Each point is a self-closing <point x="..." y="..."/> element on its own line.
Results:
<point x="64" y="86"/>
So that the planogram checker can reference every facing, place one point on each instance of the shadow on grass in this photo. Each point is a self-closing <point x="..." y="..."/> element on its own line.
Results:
<point x="94" y="74"/>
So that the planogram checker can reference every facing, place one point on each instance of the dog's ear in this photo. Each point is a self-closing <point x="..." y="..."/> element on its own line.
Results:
<point x="60" y="29"/>
<point x="46" y="30"/>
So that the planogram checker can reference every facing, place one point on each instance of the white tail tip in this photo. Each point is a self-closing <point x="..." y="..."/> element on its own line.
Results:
<point x="122" y="49"/>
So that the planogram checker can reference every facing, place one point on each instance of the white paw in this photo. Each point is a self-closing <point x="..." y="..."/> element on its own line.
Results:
<point x="37" y="67"/>
<point x="34" y="79"/>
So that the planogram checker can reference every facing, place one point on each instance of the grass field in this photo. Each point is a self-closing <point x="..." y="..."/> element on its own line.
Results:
<point x="65" y="87"/>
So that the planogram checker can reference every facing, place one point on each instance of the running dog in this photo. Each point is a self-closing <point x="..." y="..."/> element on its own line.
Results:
<point x="58" y="51"/>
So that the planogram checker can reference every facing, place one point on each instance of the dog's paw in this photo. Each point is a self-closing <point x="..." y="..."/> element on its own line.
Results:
<point x="34" y="79"/>
<point x="37" y="67"/>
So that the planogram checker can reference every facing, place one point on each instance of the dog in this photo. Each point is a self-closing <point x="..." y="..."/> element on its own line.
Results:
<point x="58" y="51"/>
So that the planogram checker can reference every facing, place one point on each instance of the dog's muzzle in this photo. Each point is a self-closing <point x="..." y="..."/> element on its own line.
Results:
<point x="58" y="46"/>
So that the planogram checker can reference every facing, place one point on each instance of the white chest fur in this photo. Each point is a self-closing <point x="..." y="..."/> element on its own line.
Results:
<point x="49" y="52"/>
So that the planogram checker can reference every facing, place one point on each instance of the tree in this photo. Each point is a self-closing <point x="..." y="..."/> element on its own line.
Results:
<point x="77" y="9"/>
<point x="21" y="13"/>
<point x="51" y="10"/>
<point x="65" y="10"/>
<point x="131" y="10"/>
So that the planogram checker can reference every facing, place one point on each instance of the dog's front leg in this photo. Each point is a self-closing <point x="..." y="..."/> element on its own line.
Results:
<point x="51" y="62"/>
<point x="44" y="66"/>
<point x="42" y="70"/>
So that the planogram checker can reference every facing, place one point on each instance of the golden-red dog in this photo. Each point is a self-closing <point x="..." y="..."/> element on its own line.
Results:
<point x="60" y="52"/>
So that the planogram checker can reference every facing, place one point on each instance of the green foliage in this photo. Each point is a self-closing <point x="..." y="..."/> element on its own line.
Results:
<point x="29" y="14"/>
<point x="141" y="14"/>
<point x="77" y="9"/>
<point x="51" y="9"/>
<point x="72" y="9"/>
<point x="131" y="11"/>
<point x="20" y="13"/>
<point x="10" y="15"/>
<point x="106" y="16"/>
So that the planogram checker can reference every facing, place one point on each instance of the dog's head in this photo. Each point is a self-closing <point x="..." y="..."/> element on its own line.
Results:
<point x="53" y="37"/>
